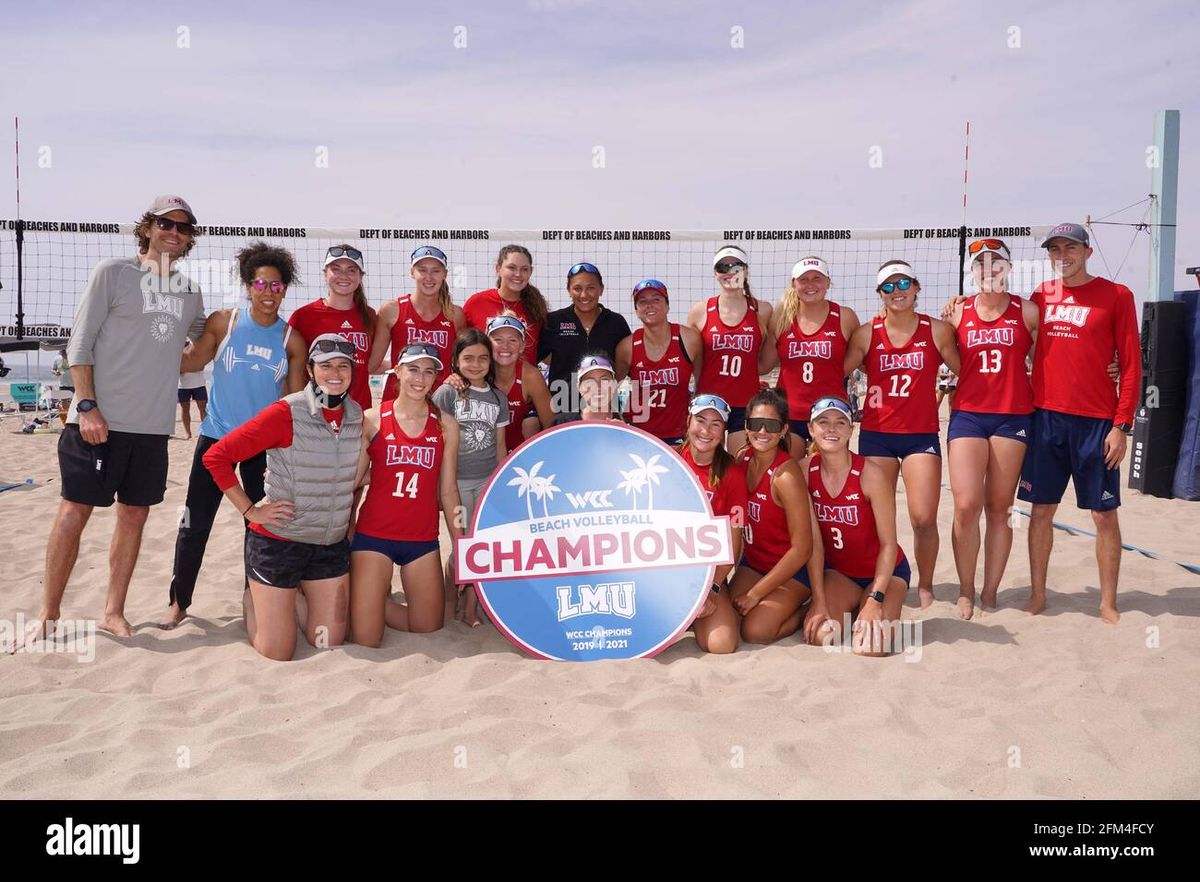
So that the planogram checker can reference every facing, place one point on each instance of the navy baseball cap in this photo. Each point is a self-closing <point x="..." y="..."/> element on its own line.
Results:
<point x="1074" y="232"/>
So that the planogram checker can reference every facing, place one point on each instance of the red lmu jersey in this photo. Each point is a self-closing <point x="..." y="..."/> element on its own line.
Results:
<point x="402" y="500"/>
<point x="902" y="381"/>
<point x="411" y="328"/>
<point x="993" y="378"/>
<point x="1080" y="329"/>
<point x="730" y="496"/>
<point x="730" y="365"/>
<point x="518" y="409"/>
<point x="317" y="318"/>
<point x="767" y="536"/>
<point x="659" y="403"/>
<point x="847" y="522"/>
<point x="811" y="366"/>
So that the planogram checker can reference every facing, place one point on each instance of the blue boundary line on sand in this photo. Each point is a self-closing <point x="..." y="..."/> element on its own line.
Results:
<point x="1079" y="531"/>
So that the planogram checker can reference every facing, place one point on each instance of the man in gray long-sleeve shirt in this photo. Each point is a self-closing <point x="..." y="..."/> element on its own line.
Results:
<point x="130" y="329"/>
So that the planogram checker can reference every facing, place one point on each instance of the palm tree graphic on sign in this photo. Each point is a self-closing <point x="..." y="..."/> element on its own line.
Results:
<point x="645" y="475"/>
<point x="530" y="484"/>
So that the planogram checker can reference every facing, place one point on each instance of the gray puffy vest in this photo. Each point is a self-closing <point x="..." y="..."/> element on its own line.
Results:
<point x="316" y="474"/>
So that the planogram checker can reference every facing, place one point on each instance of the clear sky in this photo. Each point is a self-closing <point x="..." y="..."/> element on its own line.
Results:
<point x="697" y="132"/>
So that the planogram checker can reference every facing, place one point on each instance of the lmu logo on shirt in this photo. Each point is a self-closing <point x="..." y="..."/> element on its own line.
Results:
<point x="902" y="361"/>
<point x="990" y="337"/>
<point x="440" y="339"/>
<point x="836" y="514"/>
<point x="358" y="338"/>
<point x="737" y="342"/>
<point x="152" y="301"/>
<point x="1072" y="314"/>
<point x="810" y="349"/>
<point x="661" y="377"/>
<point x="410" y="455"/>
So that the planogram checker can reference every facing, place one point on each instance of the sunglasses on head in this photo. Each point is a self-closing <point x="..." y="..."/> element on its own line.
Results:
<point x="825" y="404"/>
<point x="898" y="285"/>
<point x="422" y="350"/>
<point x="344" y="347"/>
<point x="166" y="224"/>
<point x="261" y="285"/>
<point x="764" y="424"/>
<point x="429" y="251"/>
<point x="505" y="321"/>
<point x="344" y="251"/>
<point x="583" y="268"/>
<point x="990" y="244"/>
<point x="650" y="285"/>
<point x="710" y="402"/>
<point x="728" y="266"/>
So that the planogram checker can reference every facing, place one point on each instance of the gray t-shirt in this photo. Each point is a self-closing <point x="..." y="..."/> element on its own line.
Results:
<point x="478" y="415"/>
<point x="133" y="336"/>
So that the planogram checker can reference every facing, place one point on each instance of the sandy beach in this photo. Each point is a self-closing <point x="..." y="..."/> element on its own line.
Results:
<point x="1005" y="705"/>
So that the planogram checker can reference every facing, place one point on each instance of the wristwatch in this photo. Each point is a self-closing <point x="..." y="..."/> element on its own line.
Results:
<point x="1124" y="427"/>
<point x="86" y="404"/>
<point x="716" y="588"/>
<point x="877" y="596"/>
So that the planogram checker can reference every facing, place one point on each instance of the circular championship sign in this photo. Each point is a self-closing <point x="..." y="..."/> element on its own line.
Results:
<point x="594" y="540"/>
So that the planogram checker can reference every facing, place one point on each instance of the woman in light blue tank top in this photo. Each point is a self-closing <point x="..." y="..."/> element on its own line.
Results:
<point x="256" y="359"/>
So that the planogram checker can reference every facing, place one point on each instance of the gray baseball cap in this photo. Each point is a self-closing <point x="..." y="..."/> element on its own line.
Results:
<point x="166" y="204"/>
<point x="1074" y="232"/>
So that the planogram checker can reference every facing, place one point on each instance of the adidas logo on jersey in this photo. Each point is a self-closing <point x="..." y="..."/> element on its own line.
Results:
<point x="970" y="324"/>
<point x="409" y="321"/>
<point x="931" y="450"/>
<point x="391" y="437"/>
<point x="1021" y="434"/>
<point x="346" y="324"/>
<point x="1070" y="298"/>
<point x="816" y="494"/>
<point x="880" y="346"/>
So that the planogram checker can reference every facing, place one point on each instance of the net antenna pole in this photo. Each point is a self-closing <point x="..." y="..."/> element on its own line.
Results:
<point x="962" y="231"/>
<point x="1164" y="195"/>
<point x="20" y="237"/>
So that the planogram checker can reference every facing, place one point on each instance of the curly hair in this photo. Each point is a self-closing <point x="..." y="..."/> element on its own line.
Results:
<point x="259" y="254"/>
<point x="141" y="232"/>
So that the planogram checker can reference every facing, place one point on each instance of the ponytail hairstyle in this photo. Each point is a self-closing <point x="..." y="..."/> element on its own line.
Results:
<point x="360" y="301"/>
<point x="474" y="337"/>
<point x="772" y="399"/>
<point x="536" y="308"/>
<point x="789" y="306"/>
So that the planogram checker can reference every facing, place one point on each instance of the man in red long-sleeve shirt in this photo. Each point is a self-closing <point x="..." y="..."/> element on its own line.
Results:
<point x="1080" y="420"/>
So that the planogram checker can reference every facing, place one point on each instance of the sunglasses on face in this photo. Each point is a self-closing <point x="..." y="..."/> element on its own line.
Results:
<point x="343" y="251"/>
<point x="343" y="347"/>
<point x="261" y="285"/>
<point x="764" y="424"/>
<point x="166" y="224"/>
<point x="728" y="266"/>
<point x="898" y="285"/>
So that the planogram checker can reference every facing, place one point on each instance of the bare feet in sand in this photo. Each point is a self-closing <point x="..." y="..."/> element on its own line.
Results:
<point x="1109" y="615"/>
<point x="987" y="599"/>
<point x="174" y="616"/>
<point x="37" y="629"/>
<point x="966" y="606"/>
<point x="116" y="624"/>
<point x="926" y="595"/>
<point x="1037" y="603"/>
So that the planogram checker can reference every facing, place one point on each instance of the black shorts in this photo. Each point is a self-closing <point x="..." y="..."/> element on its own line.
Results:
<point x="132" y="467"/>
<point x="200" y="393"/>
<point x="283" y="564"/>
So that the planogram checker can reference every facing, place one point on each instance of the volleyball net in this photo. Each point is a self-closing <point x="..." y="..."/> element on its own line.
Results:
<point x="54" y="259"/>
